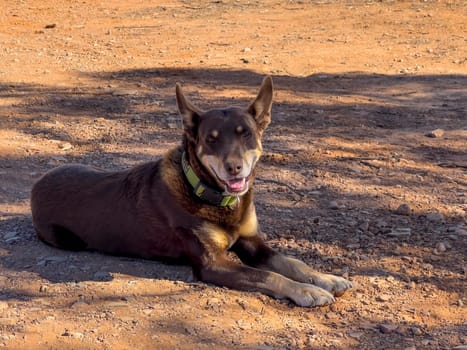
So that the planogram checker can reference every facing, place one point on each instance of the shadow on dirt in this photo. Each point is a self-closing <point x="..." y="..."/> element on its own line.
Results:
<point x="145" y="98"/>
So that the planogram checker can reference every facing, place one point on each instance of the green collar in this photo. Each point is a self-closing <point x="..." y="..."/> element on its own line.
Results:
<point x="204" y="192"/>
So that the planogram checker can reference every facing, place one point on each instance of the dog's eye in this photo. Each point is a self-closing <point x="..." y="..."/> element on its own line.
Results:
<point x="211" y="139"/>
<point x="246" y="134"/>
<point x="240" y="130"/>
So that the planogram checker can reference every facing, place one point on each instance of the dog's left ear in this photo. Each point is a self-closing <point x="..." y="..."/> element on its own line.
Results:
<point x="189" y="113"/>
<point x="260" y="109"/>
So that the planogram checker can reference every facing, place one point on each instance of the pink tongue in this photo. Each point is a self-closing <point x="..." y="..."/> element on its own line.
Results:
<point x="237" y="185"/>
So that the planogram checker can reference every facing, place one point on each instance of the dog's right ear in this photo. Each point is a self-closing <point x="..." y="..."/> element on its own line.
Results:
<point x="189" y="113"/>
<point x="260" y="109"/>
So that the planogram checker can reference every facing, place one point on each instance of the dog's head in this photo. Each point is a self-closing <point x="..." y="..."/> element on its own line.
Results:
<point x="227" y="142"/>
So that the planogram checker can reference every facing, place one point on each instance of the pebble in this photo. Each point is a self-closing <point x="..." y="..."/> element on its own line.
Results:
<point x="416" y="331"/>
<point x="102" y="276"/>
<point x="124" y="92"/>
<point x="440" y="248"/>
<point x="10" y="235"/>
<point x="333" y="205"/>
<point x="117" y="304"/>
<point x="435" y="133"/>
<point x="78" y="304"/>
<point x="67" y="333"/>
<point x="435" y="217"/>
<point x="364" y="226"/>
<point x="51" y="259"/>
<point x="400" y="232"/>
<point x="355" y="335"/>
<point x="387" y="328"/>
<point x="403" y="209"/>
<point x="65" y="146"/>
<point x="383" y="297"/>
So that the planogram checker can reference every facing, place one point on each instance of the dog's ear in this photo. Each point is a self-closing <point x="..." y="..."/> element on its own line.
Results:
<point x="189" y="113"/>
<point x="260" y="109"/>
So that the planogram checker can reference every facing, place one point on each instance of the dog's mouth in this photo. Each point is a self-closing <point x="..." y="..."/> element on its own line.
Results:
<point x="237" y="185"/>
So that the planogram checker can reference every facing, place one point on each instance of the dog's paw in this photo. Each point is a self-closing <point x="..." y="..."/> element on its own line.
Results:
<point x="333" y="284"/>
<point x="309" y="295"/>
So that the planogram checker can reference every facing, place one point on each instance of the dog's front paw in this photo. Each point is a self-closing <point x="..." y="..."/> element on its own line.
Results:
<point x="333" y="284"/>
<point x="309" y="295"/>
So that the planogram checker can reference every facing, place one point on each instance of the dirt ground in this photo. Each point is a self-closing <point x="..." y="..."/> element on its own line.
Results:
<point x="364" y="172"/>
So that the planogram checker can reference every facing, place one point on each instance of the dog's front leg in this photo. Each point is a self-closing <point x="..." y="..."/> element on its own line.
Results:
<point x="254" y="252"/>
<point x="226" y="273"/>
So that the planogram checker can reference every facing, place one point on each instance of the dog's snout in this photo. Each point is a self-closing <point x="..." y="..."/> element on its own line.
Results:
<point x="234" y="167"/>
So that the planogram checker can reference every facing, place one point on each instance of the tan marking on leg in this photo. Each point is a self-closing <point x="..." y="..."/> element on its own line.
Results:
<point x="212" y="235"/>
<point x="249" y="225"/>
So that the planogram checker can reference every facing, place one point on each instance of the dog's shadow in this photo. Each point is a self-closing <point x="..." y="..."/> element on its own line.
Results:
<point x="22" y="251"/>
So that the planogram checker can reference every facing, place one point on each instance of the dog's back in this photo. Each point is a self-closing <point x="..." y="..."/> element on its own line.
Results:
<point x="78" y="207"/>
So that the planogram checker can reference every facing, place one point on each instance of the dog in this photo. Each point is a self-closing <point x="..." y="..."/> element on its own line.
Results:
<point x="193" y="205"/>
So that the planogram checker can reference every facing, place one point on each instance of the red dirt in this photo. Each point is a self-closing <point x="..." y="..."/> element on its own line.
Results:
<point x="358" y="84"/>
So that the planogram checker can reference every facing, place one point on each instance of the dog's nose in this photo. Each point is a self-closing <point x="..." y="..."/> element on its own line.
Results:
<point x="234" y="167"/>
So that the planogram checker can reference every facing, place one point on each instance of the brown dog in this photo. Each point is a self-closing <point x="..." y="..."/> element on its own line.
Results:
<point x="193" y="205"/>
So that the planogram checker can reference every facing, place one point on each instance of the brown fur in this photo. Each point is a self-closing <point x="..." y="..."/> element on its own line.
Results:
<point x="150" y="211"/>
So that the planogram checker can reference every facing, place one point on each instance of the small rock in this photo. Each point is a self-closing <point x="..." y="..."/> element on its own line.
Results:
<point x="51" y="259"/>
<point x="124" y="92"/>
<point x="400" y="232"/>
<point x="353" y="246"/>
<point x="381" y="224"/>
<point x="43" y="288"/>
<point x="387" y="328"/>
<point x="416" y="331"/>
<point x="435" y="133"/>
<point x="103" y="276"/>
<point x="117" y="304"/>
<point x="410" y="348"/>
<point x="9" y="235"/>
<point x="355" y="335"/>
<point x="435" y="216"/>
<point x="364" y="226"/>
<point x="460" y="231"/>
<point x="190" y="331"/>
<point x="333" y="205"/>
<point x="147" y="311"/>
<point x="77" y="304"/>
<point x="383" y="297"/>
<point x="213" y="302"/>
<point x="65" y="146"/>
<point x="440" y="248"/>
<point x="460" y="303"/>
<point x="403" y="209"/>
